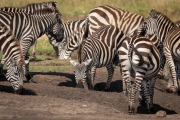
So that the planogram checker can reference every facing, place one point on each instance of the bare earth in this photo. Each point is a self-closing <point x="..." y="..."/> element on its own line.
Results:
<point x="53" y="96"/>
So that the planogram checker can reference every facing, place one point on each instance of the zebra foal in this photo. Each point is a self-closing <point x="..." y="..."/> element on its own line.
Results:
<point x="11" y="51"/>
<point x="140" y="59"/>
<point x="97" y="51"/>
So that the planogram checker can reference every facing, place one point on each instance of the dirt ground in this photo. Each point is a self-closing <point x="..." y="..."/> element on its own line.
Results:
<point x="53" y="96"/>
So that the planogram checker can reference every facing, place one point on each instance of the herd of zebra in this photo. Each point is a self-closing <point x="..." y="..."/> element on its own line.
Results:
<point x="108" y="36"/>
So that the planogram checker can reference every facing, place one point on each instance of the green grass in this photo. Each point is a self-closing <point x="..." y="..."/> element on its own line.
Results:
<point x="51" y="68"/>
<point x="77" y="9"/>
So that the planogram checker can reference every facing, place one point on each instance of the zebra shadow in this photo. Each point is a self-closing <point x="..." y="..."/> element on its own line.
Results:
<point x="142" y="109"/>
<point x="116" y="86"/>
<point x="70" y="82"/>
<point x="3" y="77"/>
<point x="9" y="89"/>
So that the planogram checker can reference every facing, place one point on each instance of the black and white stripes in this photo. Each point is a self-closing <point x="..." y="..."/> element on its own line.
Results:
<point x="168" y="33"/>
<point x="30" y="27"/>
<point x="11" y="51"/>
<point x="97" y="51"/>
<point x="140" y="59"/>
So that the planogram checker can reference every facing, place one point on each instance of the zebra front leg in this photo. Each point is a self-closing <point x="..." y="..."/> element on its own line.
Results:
<point x="171" y="64"/>
<point x="34" y="51"/>
<point x="151" y="93"/>
<point x="92" y="77"/>
<point x="27" y="75"/>
<point x="110" y="69"/>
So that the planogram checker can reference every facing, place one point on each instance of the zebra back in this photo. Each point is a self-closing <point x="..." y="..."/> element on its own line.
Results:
<point x="106" y="15"/>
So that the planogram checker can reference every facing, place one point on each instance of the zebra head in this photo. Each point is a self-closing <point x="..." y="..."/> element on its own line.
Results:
<point x="15" y="74"/>
<point x="81" y="72"/>
<point x="149" y="26"/>
<point x="56" y="31"/>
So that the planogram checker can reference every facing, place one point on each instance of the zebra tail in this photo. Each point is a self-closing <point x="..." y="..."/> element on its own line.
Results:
<point x="130" y="53"/>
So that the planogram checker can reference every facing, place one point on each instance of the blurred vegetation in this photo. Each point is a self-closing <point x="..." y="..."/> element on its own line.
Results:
<point x="77" y="9"/>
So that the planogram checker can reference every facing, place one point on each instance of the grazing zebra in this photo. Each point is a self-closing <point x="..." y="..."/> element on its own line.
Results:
<point x="140" y="59"/>
<point x="31" y="27"/>
<point x="31" y="9"/>
<point x="11" y="51"/>
<point x="97" y="51"/>
<point x="168" y="33"/>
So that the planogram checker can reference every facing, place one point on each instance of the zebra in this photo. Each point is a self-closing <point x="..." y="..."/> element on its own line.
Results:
<point x="31" y="27"/>
<point x="97" y="51"/>
<point x="12" y="53"/>
<point x="31" y="9"/>
<point x="69" y="29"/>
<point x="139" y="58"/>
<point x="168" y="33"/>
<point x="127" y="21"/>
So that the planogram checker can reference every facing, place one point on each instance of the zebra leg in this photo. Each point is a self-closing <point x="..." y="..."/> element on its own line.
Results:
<point x="151" y="93"/>
<point x="110" y="69"/>
<point x="146" y="94"/>
<point x="171" y="64"/>
<point x="27" y="75"/>
<point x="141" y="95"/>
<point x="92" y="76"/>
<point x="133" y="90"/>
<point x="34" y="51"/>
<point x="125" y="80"/>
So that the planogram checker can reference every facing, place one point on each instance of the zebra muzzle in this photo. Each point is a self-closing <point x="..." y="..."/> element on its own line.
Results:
<point x="79" y="84"/>
<point x="19" y="90"/>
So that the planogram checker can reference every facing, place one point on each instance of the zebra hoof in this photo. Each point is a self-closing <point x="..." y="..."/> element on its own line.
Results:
<point x="131" y="111"/>
<point x="170" y="89"/>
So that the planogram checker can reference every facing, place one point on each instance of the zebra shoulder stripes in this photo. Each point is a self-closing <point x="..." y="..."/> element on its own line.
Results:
<point x="163" y="27"/>
<point x="11" y="51"/>
<point x="140" y="59"/>
<point x="97" y="51"/>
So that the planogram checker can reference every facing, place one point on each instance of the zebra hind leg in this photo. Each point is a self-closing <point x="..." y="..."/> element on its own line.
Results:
<point x="110" y="69"/>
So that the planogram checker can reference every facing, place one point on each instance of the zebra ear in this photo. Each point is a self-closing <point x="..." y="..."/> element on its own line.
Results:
<point x="74" y="62"/>
<point x="88" y="62"/>
<point x="153" y="13"/>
